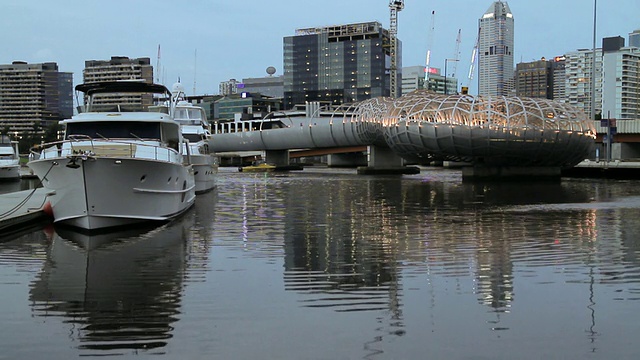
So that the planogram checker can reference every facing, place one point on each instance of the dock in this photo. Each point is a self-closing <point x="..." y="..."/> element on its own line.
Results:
<point x="615" y="169"/>
<point x="22" y="209"/>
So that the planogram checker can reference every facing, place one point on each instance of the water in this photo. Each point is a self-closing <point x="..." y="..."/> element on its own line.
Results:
<point x="327" y="264"/>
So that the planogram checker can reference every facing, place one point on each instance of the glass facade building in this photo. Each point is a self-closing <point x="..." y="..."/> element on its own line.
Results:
<point x="337" y="64"/>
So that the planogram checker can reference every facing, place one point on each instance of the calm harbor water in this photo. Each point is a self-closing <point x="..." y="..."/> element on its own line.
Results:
<point x="327" y="264"/>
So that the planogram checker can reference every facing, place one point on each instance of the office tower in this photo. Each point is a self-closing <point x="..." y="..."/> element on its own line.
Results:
<point x="116" y="69"/>
<point x="34" y="96"/>
<point x="495" y="51"/>
<point x="534" y="79"/>
<point x="337" y="64"/>
<point x="578" y="65"/>
<point x="634" y="38"/>
<point x="620" y="80"/>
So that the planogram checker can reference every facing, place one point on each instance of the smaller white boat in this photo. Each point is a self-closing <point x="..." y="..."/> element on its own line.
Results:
<point x="197" y="131"/>
<point x="9" y="159"/>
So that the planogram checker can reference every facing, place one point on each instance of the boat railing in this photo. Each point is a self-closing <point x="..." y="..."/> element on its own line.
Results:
<point x="87" y="147"/>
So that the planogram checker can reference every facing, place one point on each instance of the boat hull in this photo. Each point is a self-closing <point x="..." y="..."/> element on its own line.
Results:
<point x="205" y="171"/>
<point x="9" y="172"/>
<point x="106" y="192"/>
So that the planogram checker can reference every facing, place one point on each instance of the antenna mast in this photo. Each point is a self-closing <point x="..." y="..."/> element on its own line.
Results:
<point x="195" y="63"/>
<point x="158" y="66"/>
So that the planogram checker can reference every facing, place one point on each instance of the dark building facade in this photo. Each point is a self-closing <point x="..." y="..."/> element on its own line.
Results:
<point x="534" y="79"/>
<point x="337" y="64"/>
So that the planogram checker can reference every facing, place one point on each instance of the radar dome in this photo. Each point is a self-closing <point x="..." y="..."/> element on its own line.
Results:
<point x="177" y="88"/>
<point x="271" y="70"/>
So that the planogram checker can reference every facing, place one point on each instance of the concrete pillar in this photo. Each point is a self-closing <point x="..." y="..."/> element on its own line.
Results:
<point x="277" y="157"/>
<point x="381" y="160"/>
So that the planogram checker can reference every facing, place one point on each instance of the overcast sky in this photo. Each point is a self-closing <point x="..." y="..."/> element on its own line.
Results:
<point x="213" y="41"/>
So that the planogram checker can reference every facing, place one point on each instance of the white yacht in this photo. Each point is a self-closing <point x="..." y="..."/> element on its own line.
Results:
<point x="197" y="130"/>
<point x="9" y="159"/>
<point x="118" y="164"/>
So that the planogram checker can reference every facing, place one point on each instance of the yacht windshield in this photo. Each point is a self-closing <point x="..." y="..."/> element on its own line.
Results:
<point x="115" y="130"/>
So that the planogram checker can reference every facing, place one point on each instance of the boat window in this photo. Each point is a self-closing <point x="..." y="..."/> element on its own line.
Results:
<point x="171" y="134"/>
<point x="194" y="114"/>
<point x="115" y="129"/>
<point x="193" y="137"/>
<point x="181" y="114"/>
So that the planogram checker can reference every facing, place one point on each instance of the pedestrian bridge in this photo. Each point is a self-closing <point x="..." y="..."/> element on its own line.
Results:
<point x="423" y="126"/>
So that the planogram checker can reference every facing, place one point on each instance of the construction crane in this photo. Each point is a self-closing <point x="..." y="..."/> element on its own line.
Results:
<point x="394" y="6"/>
<point x="456" y="55"/>
<point x="427" y="69"/>
<point x="474" y="57"/>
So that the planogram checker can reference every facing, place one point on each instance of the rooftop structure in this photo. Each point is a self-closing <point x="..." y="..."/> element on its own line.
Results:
<point x="634" y="38"/>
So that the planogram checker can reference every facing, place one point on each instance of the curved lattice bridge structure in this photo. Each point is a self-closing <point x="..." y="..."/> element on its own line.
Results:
<point x="423" y="126"/>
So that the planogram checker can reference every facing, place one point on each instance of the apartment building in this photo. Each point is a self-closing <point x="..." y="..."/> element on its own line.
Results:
<point x="120" y="68"/>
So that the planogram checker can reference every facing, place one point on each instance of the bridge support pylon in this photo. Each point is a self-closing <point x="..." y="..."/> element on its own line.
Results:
<point x="382" y="160"/>
<point x="280" y="158"/>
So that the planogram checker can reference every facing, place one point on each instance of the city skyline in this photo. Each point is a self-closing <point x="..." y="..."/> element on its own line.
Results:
<point x="216" y="41"/>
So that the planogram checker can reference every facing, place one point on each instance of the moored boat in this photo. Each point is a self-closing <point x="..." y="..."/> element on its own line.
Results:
<point x="9" y="159"/>
<point x="257" y="167"/>
<point x="118" y="164"/>
<point x="196" y="129"/>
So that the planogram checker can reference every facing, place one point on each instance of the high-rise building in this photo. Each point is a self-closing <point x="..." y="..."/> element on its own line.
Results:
<point x="120" y="68"/>
<point x="634" y="38"/>
<point x="34" y="94"/>
<point x="578" y="65"/>
<point x="337" y="64"/>
<point x="620" y="80"/>
<point x="495" y="50"/>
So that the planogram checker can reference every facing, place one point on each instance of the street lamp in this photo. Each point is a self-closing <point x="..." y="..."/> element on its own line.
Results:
<point x="445" y="75"/>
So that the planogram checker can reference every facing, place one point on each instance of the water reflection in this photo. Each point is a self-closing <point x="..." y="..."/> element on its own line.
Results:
<point x="117" y="292"/>
<point x="350" y="245"/>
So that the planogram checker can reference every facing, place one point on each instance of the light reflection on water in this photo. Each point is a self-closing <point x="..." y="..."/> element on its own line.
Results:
<point x="350" y="267"/>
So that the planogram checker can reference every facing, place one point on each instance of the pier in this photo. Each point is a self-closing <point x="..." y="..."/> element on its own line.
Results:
<point x="21" y="209"/>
